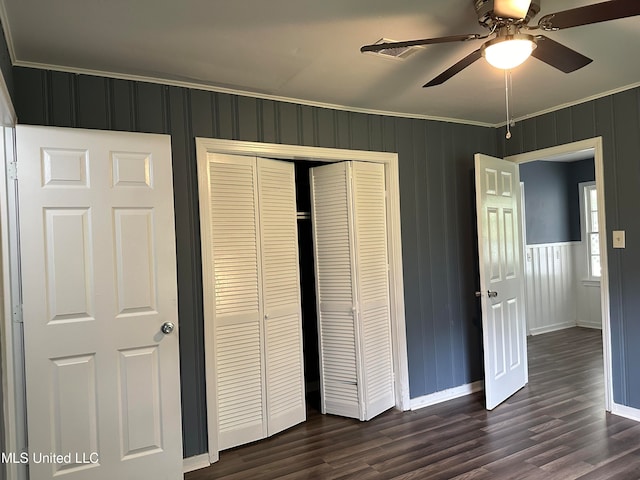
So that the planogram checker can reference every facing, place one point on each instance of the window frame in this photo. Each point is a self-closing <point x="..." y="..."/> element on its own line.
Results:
<point x="586" y="210"/>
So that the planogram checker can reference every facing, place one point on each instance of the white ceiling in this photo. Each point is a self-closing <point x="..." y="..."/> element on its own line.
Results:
<point x="308" y="51"/>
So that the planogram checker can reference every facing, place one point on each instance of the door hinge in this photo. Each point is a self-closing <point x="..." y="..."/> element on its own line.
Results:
<point x="12" y="170"/>
<point x="17" y="313"/>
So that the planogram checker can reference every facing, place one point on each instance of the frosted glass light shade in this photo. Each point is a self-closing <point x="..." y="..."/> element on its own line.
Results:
<point x="508" y="52"/>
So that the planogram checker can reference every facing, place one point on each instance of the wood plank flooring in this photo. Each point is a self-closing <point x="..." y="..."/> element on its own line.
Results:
<point x="553" y="429"/>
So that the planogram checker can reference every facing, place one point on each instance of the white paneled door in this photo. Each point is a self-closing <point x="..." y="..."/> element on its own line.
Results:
<point x="501" y="278"/>
<point x="100" y="304"/>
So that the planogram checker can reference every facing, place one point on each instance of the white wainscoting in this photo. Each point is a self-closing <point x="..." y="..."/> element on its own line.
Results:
<point x="557" y="295"/>
<point x="550" y="283"/>
<point x="589" y="312"/>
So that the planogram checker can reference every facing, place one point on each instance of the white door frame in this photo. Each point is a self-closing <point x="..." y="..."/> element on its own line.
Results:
<point x="396" y="281"/>
<point x="12" y="375"/>
<point x="14" y="397"/>
<point x="594" y="144"/>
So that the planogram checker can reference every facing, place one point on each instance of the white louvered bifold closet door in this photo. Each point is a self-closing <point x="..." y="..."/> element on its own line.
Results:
<point x="373" y="287"/>
<point x="281" y="295"/>
<point x="332" y="238"/>
<point x="238" y="312"/>
<point x="350" y="240"/>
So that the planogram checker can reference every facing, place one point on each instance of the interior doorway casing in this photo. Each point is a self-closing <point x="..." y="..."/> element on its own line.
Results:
<point x="205" y="146"/>
<point x="594" y="145"/>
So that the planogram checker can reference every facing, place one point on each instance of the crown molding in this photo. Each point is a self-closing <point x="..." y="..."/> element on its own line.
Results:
<point x="244" y="93"/>
<point x="572" y="104"/>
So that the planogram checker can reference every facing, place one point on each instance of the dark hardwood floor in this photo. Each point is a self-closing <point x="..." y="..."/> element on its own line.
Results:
<point x="554" y="429"/>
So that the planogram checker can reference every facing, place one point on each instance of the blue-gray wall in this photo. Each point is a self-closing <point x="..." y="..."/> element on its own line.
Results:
<point x="436" y="196"/>
<point x="438" y="225"/>
<point x="5" y="63"/>
<point x="616" y="118"/>
<point x="577" y="172"/>
<point x="552" y="202"/>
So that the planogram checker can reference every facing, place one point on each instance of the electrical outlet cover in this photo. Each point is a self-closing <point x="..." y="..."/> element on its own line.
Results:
<point x="618" y="239"/>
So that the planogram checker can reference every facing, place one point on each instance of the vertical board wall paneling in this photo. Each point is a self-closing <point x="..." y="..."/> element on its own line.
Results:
<point x="616" y="118"/>
<point x="439" y="243"/>
<point x="419" y="335"/>
<point x="194" y="417"/>
<point x="186" y="111"/>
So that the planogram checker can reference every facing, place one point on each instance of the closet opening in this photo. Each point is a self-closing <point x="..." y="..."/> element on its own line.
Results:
<point x="245" y="192"/>
<point x="307" y="284"/>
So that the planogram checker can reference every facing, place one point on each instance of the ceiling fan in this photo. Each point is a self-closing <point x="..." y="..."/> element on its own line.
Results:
<point x="511" y="44"/>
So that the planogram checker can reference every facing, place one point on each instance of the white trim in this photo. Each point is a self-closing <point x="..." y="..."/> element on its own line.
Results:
<point x="265" y="96"/>
<point x="7" y="113"/>
<point x="245" y="93"/>
<point x="552" y="244"/>
<point x="197" y="462"/>
<point x="297" y="152"/>
<point x="446" y="395"/>
<point x="523" y="233"/>
<point x="551" y="152"/>
<point x="13" y="346"/>
<point x="584" y="220"/>
<point x="626" y="412"/>
<point x="551" y="328"/>
<point x="4" y="18"/>
<point x="596" y="145"/>
<point x="585" y="324"/>
<point x="580" y="101"/>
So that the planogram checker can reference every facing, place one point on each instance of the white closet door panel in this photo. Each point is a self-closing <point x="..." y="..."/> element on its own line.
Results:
<point x="373" y="287"/>
<point x="335" y="289"/>
<point x="238" y="314"/>
<point x="281" y="295"/>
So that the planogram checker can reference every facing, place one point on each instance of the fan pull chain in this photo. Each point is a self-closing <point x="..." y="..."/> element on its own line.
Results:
<point x="507" y="77"/>
<point x="512" y="122"/>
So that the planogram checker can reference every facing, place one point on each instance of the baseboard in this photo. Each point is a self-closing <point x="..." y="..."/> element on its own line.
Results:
<point x="627" y="412"/>
<point x="195" y="463"/>
<point x="444" y="395"/>
<point x="597" y="326"/>
<point x="551" y="328"/>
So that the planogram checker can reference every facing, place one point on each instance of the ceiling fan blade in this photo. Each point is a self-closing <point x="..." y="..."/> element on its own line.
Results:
<point x="515" y="9"/>
<point x="376" y="47"/>
<point x="599" y="12"/>
<point x="559" y="56"/>
<point x="455" y="69"/>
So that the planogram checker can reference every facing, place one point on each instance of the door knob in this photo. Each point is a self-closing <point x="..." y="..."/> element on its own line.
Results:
<point x="490" y="294"/>
<point x="167" y="327"/>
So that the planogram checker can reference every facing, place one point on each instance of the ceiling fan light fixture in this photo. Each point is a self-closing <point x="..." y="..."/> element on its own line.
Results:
<point x="509" y="51"/>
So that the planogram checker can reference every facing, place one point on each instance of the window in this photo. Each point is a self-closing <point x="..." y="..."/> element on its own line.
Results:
<point x="592" y="237"/>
